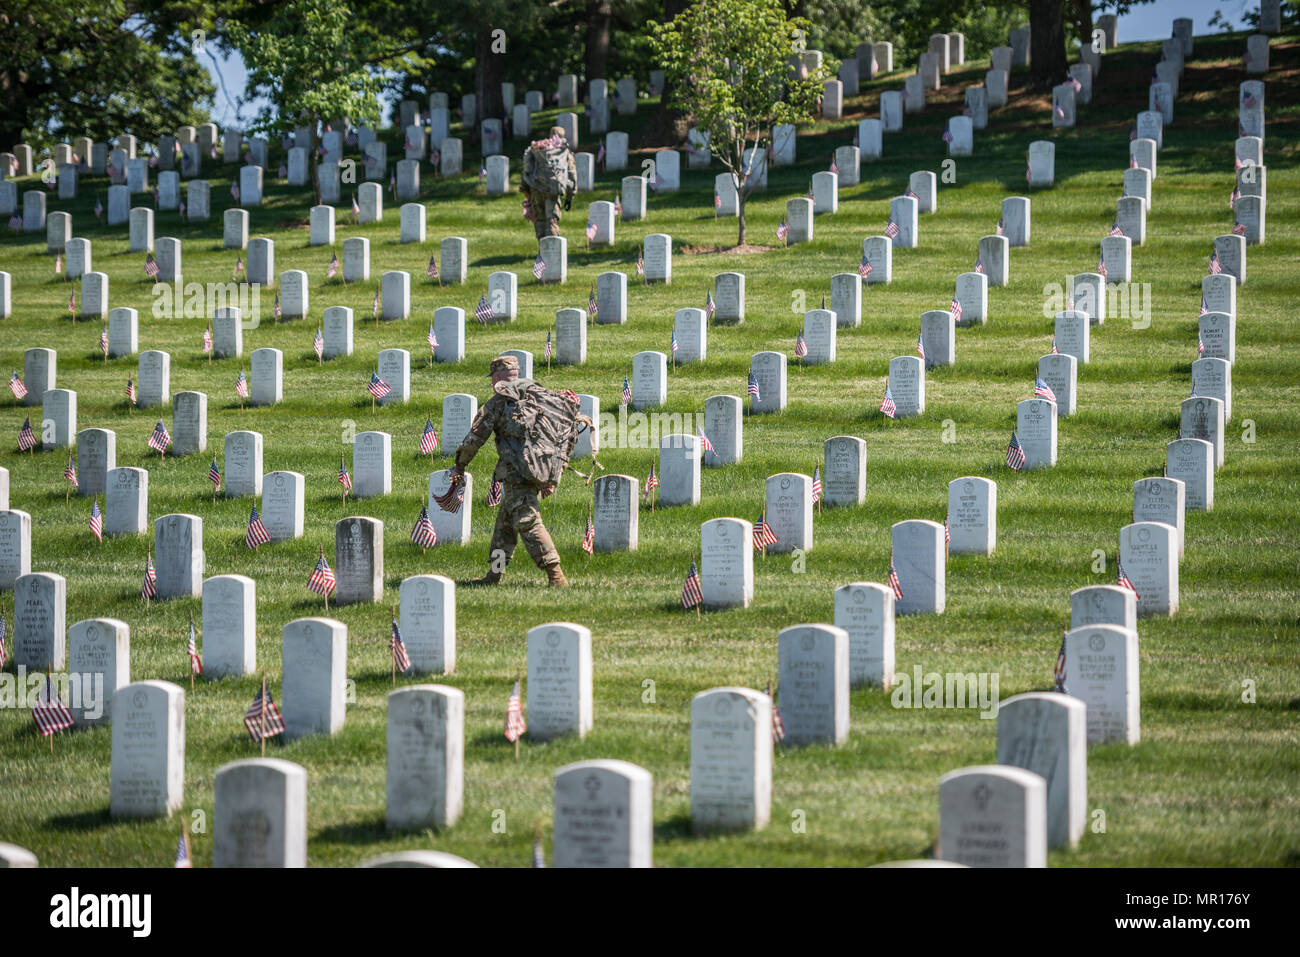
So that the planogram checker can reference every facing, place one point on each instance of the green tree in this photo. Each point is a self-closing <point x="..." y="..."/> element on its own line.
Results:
<point x="76" y="67"/>
<point x="310" y="66"/>
<point x="729" y="65"/>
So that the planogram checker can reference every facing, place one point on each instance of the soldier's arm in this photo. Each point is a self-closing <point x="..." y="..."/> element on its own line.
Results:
<point x="479" y="431"/>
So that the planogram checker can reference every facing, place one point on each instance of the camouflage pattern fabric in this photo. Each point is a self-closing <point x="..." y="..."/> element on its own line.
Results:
<point x="519" y="517"/>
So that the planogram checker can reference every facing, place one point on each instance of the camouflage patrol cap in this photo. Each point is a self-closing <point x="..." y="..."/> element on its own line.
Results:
<point x="558" y="131"/>
<point x="503" y="364"/>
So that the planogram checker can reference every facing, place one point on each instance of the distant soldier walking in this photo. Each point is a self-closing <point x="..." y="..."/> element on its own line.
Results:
<point x="550" y="177"/>
<point x="535" y="430"/>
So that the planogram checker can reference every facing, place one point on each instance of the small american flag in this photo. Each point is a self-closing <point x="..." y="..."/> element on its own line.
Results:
<point x="356" y="210"/>
<point x="515" y="726"/>
<point x="432" y="270"/>
<point x="26" y="438"/>
<point x="99" y="208"/>
<point x="1132" y="134"/>
<point x="778" y="726"/>
<point x="1132" y="162"/>
<point x="262" y="719"/>
<point x="864" y="267"/>
<point x="800" y="346"/>
<point x="834" y="166"/>
<point x="1215" y="267"/>
<point x="1074" y="82"/>
<point x="817" y="484"/>
<point x="1015" y="453"/>
<point x="592" y="309"/>
<point x="58" y="263"/>
<point x="1055" y="351"/>
<point x="482" y="312"/>
<point x="887" y="403"/>
<point x="239" y="264"/>
<point x="374" y="304"/>
<point x="1059" y="670"/>
<point x="275" y="307"/>
<point x="344" y="478"/>
<point x="16" y="385"/>
<point x="1248" y="100"/>
<point x="894" y="583"/>
<point x="494" y="493"/>
<point x="892" y="229"/>
<point x="72" y="303"/>
<point x="1238" y="229"/>
<point x="1232" y="200"/>
<point x="428" y="438"/>
<point x="482" y="172"/>
<point x="1060" y="113"/>
<point x="322" y="580"/>
<point x="910" y="193"/>
<point x="207" y="339"/>
<point x="333" y="269"/>
<point x="955" y="308"/>
<point x="192" y="649"/>
<point x="70" y="472"/>
<point x="920" y="346"/>
<point x="377" y="386"/>
<point x="600" y="154"/>
<point x="130" y="390"/>
<point x="640" y="261"/>
<point x="49" y="712"/>
<point x="159" y="439"/>
<point x="1101" y="265"/>
<point x="452" y="499"/>
<point x="618" y="207"/>
<point x="539" y="267"/>
<point x="651" y="483"/>
<point x="705" y="444"/>
<point x="401" y="660"/>
<point x="16" y="222"/>
<point x="423" y="533"/>
<point x="979" y="264"/>
<point x="234" y="191"/>
<point x="589" y="537"/>
<point x="431" y="337"/>
<point x="710" y="307"/>
<point x="256" y="530"/>
<point x="1200" y="345"/>
<point x="183" y="845"/>
<point x="1042" y="390"/>
<point x="1114" y="229"/>
<point x="783" y="230"/>
<point x="546" y="352"/>
<point x="1123" y="581"/>
<point x="672" y="345"/>
<point x="1205" y="307"/>
<point x="318" y="344"/>
<point x="96" y="521"/>
<point x="751" y="387"/>
<point x="591" y="230"/>
<point x="763" y="534"/>
<point x="947" y="136"/>
<point x="241" y="385"/>
<point x="691" y="592"/>
<point x="947" y="532"/>
<point x="1002" y="227"/>
<point x="214" y="474"/>
<point x="717" y="198"/>
<point x="627" y="391"/>
<point x="150" y="587"/>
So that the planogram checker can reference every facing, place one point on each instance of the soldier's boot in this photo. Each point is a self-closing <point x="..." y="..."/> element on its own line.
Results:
<point x="555" y="576"/>
<point x="491" y="578"/>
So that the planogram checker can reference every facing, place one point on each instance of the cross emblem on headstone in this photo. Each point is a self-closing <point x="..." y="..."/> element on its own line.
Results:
<point x="592" y="784"/>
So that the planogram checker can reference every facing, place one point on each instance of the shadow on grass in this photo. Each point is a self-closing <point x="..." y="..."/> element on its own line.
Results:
<point x="356" y="832"/>
<point x="82" y="821"/>
<point x="676" y="828"/>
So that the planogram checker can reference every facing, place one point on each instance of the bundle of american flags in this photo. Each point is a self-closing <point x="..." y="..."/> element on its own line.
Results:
<point x="423" y="533"/>
<point x="257" y="534"/>
<point x="1015" y="453"/>
<point x="451" y="500"/>
<point x="494" y="493"/>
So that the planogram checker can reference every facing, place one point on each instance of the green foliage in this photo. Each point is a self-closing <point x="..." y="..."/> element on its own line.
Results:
<point x="75" y="67"/>
<point x="309" y="63"/>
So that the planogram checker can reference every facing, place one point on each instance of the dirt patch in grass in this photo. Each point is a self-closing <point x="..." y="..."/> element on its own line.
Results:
<point x="293" y="224"/>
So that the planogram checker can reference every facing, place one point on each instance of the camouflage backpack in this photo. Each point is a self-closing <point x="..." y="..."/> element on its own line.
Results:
<point x="547" y="166"/>
<point x="541" y="427"/>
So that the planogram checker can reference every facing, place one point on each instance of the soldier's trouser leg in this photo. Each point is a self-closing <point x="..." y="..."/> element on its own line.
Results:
<point x="553" y="208"/>
<point x="526" y="518"/>
<point x="540" y="204"/>
<point x="503" y="541"/>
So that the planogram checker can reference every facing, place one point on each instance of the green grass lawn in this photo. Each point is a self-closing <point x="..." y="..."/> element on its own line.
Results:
<point x="1214" y="781"/>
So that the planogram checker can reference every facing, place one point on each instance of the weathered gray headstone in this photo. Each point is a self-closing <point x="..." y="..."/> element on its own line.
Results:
<point x="1047" y="734"/>
<point x="40" y="610"/>
<point x="359" y="560"/>
<point x="259" y="814"/>
<point x="993" y="815"/>
<point x="426" y="757"/>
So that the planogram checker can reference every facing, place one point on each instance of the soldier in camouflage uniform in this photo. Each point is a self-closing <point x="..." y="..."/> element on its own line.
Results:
<point x="518" y="515"/>
<point x="549" y="178"/>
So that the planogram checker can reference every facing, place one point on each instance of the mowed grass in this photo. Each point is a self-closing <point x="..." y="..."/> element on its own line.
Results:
<point x="1214" y="781"/>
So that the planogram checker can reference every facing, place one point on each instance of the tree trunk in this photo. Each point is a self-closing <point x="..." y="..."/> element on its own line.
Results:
<point x="1047" y="65"/>
<point x="487" y="79"/>
<point x="598" y="19"/>
<point x="1083" y="21"/>
<point x="740" y="212"/>
<point x="668" y="126"/>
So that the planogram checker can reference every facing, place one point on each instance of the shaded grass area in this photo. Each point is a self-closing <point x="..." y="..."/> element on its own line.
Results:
<point x="1214" y="781"/>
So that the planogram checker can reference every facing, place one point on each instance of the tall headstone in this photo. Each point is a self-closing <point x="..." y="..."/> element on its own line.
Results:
<point x="907" y="385"/>
<point x="1192" y="462"/>
<point x="972" y="516"/>
<point x="1149" y="553"/>
<point x="229" y="626"/>
<point x="426" y="757"/>
<point x="1201" y="417"/>
<point x="315" y="658"/>
<point x="559" y="681"/>
<point x="99" y="663"/>
<point x="147" y="776"/>
<point x="1101" y="669"/>
<point x="1047" y="734"/>
<point x="865" y="610"/>
<point x="15" y="546"/>
<point x="603" y="815"/>
<point x="731" y="760"/>
<point x="40" y="610"/>
<point x="428" y="622"/>
<point x="359" y="560"/>
<point x="844" y="478"/>
<point x="649" y="380"/>
<point x="126" y="502"/>
<point x="282" y="505"/>
<point x="726" y="563"/>
<point x="679" y="470"/>
<point x="813" y="671"/>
